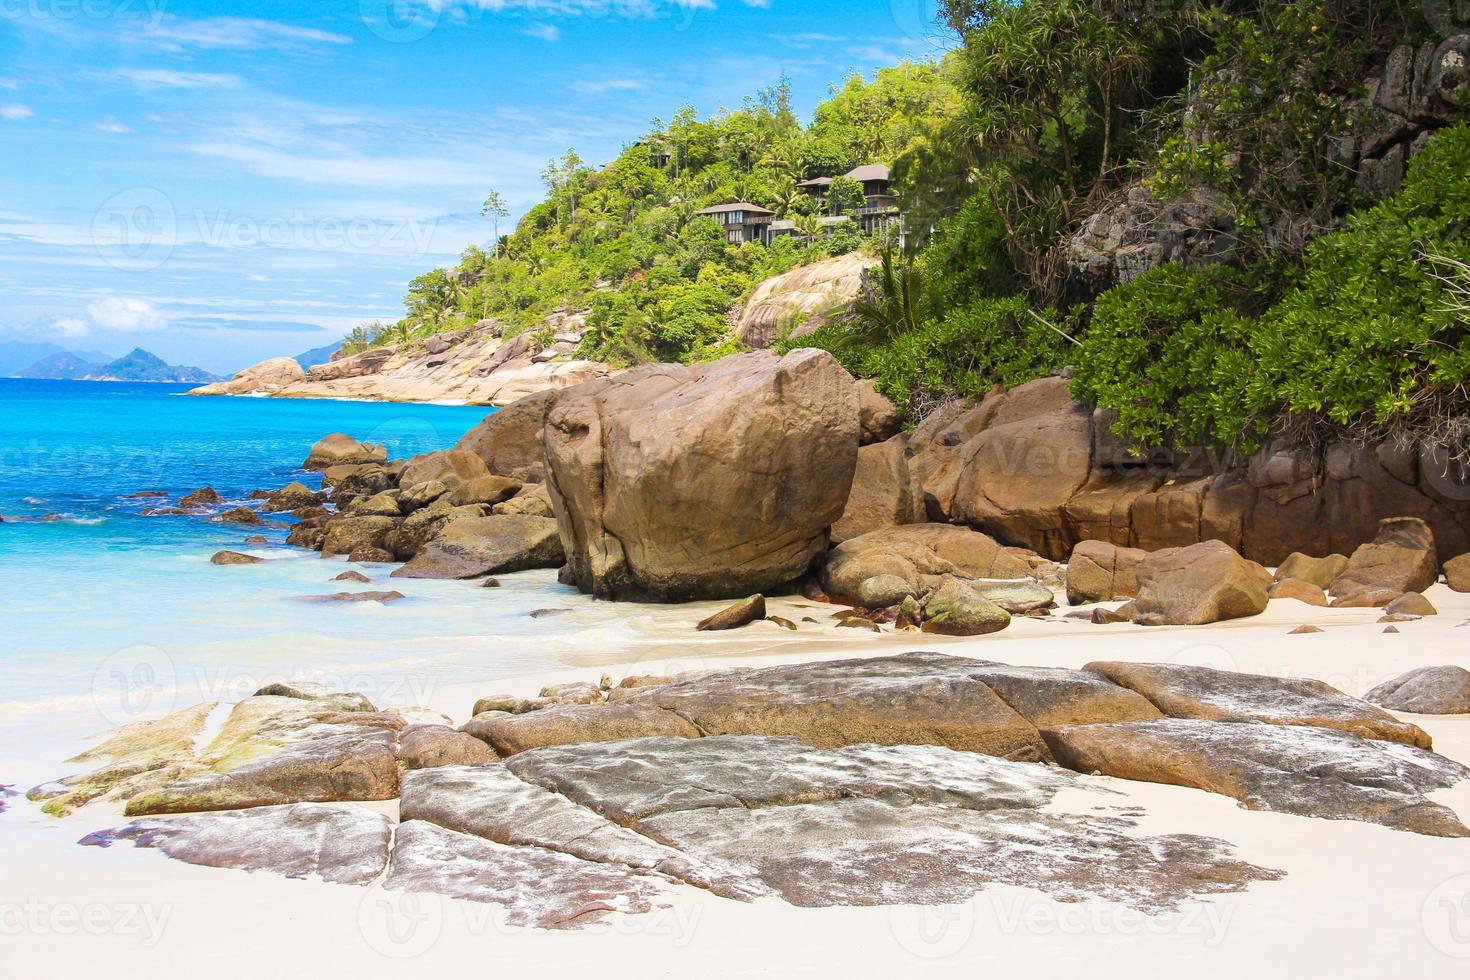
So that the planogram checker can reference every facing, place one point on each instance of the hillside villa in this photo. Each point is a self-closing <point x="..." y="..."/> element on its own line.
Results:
<point x="746" y="222"/>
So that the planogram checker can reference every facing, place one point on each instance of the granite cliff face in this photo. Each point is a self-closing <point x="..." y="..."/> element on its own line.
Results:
<point x="802" y="298"/>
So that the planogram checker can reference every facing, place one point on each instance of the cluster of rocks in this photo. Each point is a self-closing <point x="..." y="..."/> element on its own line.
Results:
<point x="909" y="779"/>
<point x="1208" y="582"/>
<point x="444" y="514"/>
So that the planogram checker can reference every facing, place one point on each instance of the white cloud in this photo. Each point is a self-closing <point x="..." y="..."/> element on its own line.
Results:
<point x="546" y="32"/>
<point x="156" y="78"/>
<point x="119" y="314"/>
<point x="15" y="112"/>
<point x="598" y="87"/>
<point x="240" y="33"/>
<point x="111" y="126"/>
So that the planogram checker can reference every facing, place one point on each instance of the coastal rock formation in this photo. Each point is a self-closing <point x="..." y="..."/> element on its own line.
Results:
<point x="882" y="494"/>
<point x="267" y="377"/>
<point x="476" y="366"/>
<point x="233" y="558"/>
<point x="1203" y="583"/>
<point x="340" y="449"/>
<point x="1298" y="589"/>
<point x="956" y="609"/>
<point x="343" y="844"/>
<point x="1315" y="571"/>
<point x="433" y="746"/>
<point x="474" y="546"/>
<point x="800" y="301"/>
<point x="1032" y="468"/>
<point x="743" y="613"/>
<point x="1313" y="772"/>
<point x="705" y="481"/>
<point x="878" y="418"/>
<point x="1203" y="693"/>
<point x="449" y="466"/>
<point x="1441" y="690"/>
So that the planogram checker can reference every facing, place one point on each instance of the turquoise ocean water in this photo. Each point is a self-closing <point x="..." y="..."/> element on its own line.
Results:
<point x="122" y="614"/>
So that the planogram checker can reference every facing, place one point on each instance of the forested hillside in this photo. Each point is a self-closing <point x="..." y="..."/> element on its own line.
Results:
<point x="1224" y="217"/>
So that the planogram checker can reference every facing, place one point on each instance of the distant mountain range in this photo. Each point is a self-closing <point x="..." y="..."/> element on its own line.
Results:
<point x="317" y="355"/>
<point x="18" y="355"/>
<point x="58" y="364"/>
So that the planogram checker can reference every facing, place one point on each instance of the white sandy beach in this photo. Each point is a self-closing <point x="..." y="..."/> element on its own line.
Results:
<point x="1358" y="900"/>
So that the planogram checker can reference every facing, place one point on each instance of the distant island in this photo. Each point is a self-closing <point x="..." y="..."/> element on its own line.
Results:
<point x="137" y="365"/>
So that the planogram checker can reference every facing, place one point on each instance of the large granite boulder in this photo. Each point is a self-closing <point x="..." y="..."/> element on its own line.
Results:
<point x="1203" y="583"/>
<point x="1457" y="573"/>
<point x="705" y="481"/>
<point x="1313" y="772"/>
<point x="882" y="492"/>
<point x="433" y="746"/>
<point x="878" y="418"/>
<point x="340" y="449"/>
<point x="1184" y="691"/>
<point x="510" y="441"/>
<point x="470" y="547"/>
<point x="1401" y="559"/>
<point x="449" y="466"/>
<point x="343" y="844"/>
<point x="344" y="535"/>
<point x="1101" y="572"/>
<point x="1316" y="571"/>
<point x="1443" y="690"/>
<point x="956" y="609"/>
<point x="919" y="554"/>
<point x="805" y="297"/>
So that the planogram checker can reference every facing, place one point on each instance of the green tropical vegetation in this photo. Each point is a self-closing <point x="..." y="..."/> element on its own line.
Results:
<point x="1335" y="308"/>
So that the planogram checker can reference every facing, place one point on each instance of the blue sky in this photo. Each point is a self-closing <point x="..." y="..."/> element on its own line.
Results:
<point x="221" y="183"/>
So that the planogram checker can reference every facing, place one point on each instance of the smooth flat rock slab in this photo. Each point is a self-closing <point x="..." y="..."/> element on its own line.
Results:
<point x="536" y="887"/>
<point x="1182" y="691"/>
<point x="915" y="698"/>
<point x="276" y="750"/>
<point x="432" y="746"/>
<point x="1312" y="772"/>
<point x="1443" y="690"/>
<point x="633" y="780"/>
<point x="134" y="758"/>
<point x="872" y="852"/>
<point x="491" y="802"/>
<point x="335" y="842"/>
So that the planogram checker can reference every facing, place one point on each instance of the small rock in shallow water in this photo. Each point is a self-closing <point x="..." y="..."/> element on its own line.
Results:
<point x="1390" y="629"/>
<point x="1304" y="629"/>
<point x="785" y="624"/>
<point x="369" y="555"/>
<point x="200" y="497"/>
<point x="741" y="614"/>
<point x="547" y="613"/>
<point x="384" y="597"/>
<point x="351" y="577"/>
<point x="238" y="515"/>
<point x="490" y="583"/>
<point x="257" y="539"/>
<point x="1411" y="604"/>
<point x="233" y="558"/>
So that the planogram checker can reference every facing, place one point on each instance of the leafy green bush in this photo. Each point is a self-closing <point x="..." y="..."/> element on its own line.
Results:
<point x="1368" y="335"/>
<point x="962" y="355"/>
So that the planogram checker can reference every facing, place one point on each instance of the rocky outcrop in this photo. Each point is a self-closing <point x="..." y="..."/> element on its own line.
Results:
<point x="267" y="377"/>
<point x="1457" y="573"/>
<point x="1203" y="583"/>
<point x="449" y="466"/>
<point x="1034" y="469"/>
<point x="1427" y="691"/>
<point x="878" y="418"/>
<point x="800" y="301"/>
<point x="882" y="492"/>
<point x="1313" y="772"/>
<point x="1100" y="572"/>
<point x="476" y="366"/>
<point x="743" y="613"/>
<point x="705" y="481"/>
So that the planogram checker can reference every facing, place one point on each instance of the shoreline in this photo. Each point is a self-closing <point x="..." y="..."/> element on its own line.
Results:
<point x="314" y="924"/>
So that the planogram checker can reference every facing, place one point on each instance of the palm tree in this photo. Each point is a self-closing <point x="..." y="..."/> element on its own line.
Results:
<point x="809" y="225"/>
<point x="890" y="303"/>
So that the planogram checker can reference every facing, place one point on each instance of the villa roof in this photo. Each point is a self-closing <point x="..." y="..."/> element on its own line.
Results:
<point x="869" y="171"/>
<point x="816" y="182"/>
<point x="737" y="206"/>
